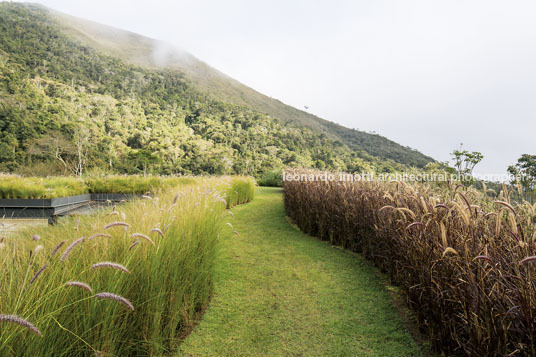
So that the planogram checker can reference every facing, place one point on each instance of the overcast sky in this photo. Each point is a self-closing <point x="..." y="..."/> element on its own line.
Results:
<point x="427" y="74"/>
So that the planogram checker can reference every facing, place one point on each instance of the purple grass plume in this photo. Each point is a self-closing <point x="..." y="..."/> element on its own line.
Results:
<point x="20" y="321"/>
<point x="110" y="265"/>
<point x="157" y="230"/>
<point x="80" y="285"/>
<point x="115" y="297"/>
<point x="56" y="248"/>
<point x="71" y="247"/>
<point x="114" y="224"/>
<point x="39" y="272"/>
<point x="141" y="235"/>
<point x="99" y="235"/>
<point x="134" y="244"/>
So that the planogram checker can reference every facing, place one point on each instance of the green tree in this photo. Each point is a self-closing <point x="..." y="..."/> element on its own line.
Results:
<point x="465" y="162"/>
<point x="524" y="172"/>
<point x="141" y="161"/>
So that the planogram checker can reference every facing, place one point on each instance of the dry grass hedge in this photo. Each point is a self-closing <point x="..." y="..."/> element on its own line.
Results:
<point x="466" y="262"/>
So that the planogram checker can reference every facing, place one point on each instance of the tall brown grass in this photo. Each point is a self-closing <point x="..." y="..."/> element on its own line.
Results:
<point x="466" y="262"/>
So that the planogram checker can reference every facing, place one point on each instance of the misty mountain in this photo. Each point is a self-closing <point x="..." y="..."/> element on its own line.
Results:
<point x="130" y="103"/>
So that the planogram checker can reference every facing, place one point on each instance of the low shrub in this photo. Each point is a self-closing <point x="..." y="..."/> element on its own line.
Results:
<point x="12" y="186"/>
<point x="271" y="179"/>
<point x="239" y="190"/>
<point x="133" y="184"/>
<point x="467" y="264"/>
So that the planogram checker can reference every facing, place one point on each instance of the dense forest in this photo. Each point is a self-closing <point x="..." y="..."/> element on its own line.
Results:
<point x="65" y="107"/>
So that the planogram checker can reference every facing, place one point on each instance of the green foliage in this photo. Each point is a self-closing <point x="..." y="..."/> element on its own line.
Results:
<point x="34" y="187"/>
<point x="169" y="282"/>
<point x="465" y="162"/>
<point x="74" y="109"/>
<point x="524" y="172"/>
<point x="239" y="191"/>
<point x="134" y="184"/>
<point x="12" y="186"/>
<point x="271" y="179"/>
<point x="375" y="145"/>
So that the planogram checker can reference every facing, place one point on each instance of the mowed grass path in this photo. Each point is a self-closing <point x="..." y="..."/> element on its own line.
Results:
<point x="279" y="292"/>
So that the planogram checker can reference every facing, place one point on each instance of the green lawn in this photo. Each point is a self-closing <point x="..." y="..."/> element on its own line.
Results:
<point x="279" y="292"/>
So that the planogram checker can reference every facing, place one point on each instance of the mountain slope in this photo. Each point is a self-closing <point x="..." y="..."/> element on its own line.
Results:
<point x="69" y="102"/>
<point x="144" y="51"/>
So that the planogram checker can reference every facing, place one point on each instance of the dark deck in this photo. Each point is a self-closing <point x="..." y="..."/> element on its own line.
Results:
<point x="52" y="208"/>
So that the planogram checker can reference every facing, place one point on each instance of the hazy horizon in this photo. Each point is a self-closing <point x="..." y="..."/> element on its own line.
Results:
<point x="428" y="76"/>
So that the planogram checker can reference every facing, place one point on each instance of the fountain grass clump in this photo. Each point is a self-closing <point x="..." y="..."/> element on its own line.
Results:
<point x="122" y="282"/>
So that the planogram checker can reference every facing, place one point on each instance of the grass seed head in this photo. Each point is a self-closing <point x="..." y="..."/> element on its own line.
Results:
<point x="143" y="236"/>
<point x="159" y="231"/>
<point x="79" y="284"/>
<point x="115" y="224"/>
<point x="57" y="247"/>
<point x="21" y="322"/>
<point x="71" y="247"/>
<point x="110" y="265"/>
<point x="118" y="298"/>
<point x="39" y="273"/>
<point x="135" y="243"/>
<point x="99" y="235"/>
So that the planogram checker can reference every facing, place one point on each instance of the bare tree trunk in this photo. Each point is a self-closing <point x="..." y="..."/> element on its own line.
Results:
<point x="58" y="156"/>
<point x="81" y="138"/>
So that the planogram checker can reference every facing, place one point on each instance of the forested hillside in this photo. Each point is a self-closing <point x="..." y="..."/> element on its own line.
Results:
<point x="68" y="107"/>
<point x="146" y="52"/>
